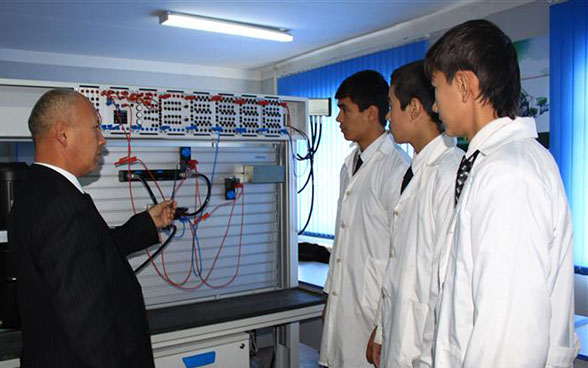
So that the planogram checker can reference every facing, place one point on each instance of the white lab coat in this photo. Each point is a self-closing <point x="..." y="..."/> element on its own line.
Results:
<point x="508" y="298"/>
<point x="360" y="252"/>
<point x="420" y="217"/>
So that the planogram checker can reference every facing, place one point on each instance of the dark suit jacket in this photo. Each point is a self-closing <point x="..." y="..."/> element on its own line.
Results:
<point x="79" y="300"/>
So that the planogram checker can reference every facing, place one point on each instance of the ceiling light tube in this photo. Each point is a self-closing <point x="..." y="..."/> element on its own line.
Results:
<point x="223" y="26"/>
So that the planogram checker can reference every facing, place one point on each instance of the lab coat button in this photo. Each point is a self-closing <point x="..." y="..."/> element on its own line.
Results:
<point x="396" y="213"/>
<point x="342" y="225"/>
<point x="348" y="193"/>
<point x="334" y="293"/>
<point x="338" y="260"/>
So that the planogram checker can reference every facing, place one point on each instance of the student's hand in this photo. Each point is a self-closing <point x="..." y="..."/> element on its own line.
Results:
<point x="370" y="347"/>
<point x="376" y="353"/>
<point x="373" y="350"/>
<point x="162" y="214"/>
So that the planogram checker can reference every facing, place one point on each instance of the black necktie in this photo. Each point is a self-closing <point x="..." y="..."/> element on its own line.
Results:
<point x="462" y="174"/>
<point x="407" y="176"/>
<point x="358" y="163"/>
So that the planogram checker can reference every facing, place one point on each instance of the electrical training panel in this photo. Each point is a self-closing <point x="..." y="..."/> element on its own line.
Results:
<point x="158" y="113"/>
<point x="176" y="141"/>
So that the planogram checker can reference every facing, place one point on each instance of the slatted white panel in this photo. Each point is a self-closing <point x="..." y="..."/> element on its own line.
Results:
<point x="258" y="265"/>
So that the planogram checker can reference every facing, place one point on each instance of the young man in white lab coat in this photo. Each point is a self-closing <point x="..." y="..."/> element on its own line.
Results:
<point x="404" y="333"/>
<point x="369" y="189"/>
<point x="508" y="297"/>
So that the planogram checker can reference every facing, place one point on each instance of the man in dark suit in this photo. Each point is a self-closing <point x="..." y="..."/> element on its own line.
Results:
<point x="79" y="300"/>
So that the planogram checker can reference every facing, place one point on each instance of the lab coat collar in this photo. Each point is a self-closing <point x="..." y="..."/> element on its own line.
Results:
<point x="502" y="131"/>
<point x="430" y="155"/>
<point x="375" y="146"/>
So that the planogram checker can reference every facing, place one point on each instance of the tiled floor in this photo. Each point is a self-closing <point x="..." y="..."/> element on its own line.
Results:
<point x="308" y="357"/>
<point x="263" y="359"/>
<point x="582" y="332"/>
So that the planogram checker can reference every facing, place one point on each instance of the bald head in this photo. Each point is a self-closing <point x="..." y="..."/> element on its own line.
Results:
<point x="54" y="105"/>
<point x="66" y="130"/>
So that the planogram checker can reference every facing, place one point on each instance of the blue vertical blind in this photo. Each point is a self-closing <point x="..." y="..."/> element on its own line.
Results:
<point x="323" y="82"/>
<point x="569" y="110"/>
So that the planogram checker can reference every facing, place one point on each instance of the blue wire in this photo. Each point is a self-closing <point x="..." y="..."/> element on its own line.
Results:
<point x="215" y="159"/>
<point x="195" y="228"/>
<point x="192" y="260"/>
<point x="183" y="220"/>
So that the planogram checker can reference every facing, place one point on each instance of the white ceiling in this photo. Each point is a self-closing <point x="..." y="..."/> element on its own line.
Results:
<point x="130" y="29"/>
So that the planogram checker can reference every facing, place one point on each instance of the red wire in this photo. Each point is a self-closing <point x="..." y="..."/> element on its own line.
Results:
<point x="165" y="276"/>
<point x="205" y="280"/>
<point x="240" y="247"/>
<point x="128" y="136"/>
<point x="175" y="283"/>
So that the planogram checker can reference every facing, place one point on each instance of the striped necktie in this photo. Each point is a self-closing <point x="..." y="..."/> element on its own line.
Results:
<point x="462" y="174"/>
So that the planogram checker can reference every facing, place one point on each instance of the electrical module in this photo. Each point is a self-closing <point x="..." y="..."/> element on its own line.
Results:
<point x="177" y="113"/>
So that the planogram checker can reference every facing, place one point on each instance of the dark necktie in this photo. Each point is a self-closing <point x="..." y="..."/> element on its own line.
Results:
<point x="407" y="176"/>
<point x="358" y="163"/>
<point x="462" y="174"/>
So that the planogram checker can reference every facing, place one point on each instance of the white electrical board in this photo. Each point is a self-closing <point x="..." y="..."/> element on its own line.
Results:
<point x="155" y="113"/>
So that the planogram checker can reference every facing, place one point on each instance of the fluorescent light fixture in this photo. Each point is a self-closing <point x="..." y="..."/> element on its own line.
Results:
<point x="223" y="26"/>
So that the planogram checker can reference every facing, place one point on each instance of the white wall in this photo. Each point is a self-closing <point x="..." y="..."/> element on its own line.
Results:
<point x="116" y="77"/>
<point x="35" y="65"/>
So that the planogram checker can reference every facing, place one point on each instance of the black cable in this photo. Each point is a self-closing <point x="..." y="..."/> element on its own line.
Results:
<point x="175" y="180"/>
<point x="307" y="178"/>
<point x="314" y="149"/>
<point x="158" y="250"/>
<point x="172" y="227"/>
<point x="208" y="191"/>
<point x="142" y="180"/>
<point x="311" y="204"/>
<point x="312" y="145"/>
<point x="320" y="135"/>
<point x="315" y="139"/>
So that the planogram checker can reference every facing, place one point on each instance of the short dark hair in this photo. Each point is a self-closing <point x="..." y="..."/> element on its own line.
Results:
<point x="482" y="48"/>
<point x="410" y="81"/>
<point x="366" y="88"/>
<point x="52" y="105"/>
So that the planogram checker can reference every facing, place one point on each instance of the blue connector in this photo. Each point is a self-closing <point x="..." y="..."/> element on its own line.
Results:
<point x="262" y="130"/>
<point x="241" y="130"/>
<point x="164" y="127"/>
<point x="217" y="129"/>
<point x="284" y="131"/>
<point x="186" y="152"/>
